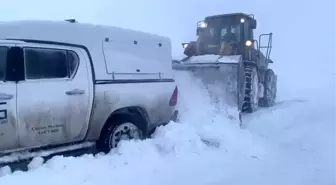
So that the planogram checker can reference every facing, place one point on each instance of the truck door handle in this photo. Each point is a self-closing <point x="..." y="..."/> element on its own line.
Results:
<point x="75" y="92"/>
<point x="5" y="96"/>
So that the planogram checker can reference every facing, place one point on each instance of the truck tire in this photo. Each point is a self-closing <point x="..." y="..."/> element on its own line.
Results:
<point x="270" y="89"/>
<point x="250" y="103"/>
<point x="121" y="127"/>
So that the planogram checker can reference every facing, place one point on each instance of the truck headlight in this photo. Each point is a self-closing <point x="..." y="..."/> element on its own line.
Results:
<point x="242" y="20"/>
<point x="248" y="43"/>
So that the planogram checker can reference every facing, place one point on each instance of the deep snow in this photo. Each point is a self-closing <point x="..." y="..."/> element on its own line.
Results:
<point x="292" y="143"/>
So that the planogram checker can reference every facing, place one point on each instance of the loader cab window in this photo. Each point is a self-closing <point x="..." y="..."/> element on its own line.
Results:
<point x="208" y="35"/>
<point x="219" y="29"/>
<point x="229" y="34"/>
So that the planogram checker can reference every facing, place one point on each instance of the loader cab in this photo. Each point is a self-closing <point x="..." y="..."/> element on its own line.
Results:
<point x="235" y="30"/>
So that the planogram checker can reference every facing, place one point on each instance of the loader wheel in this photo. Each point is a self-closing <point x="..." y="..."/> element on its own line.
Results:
<point x="270" y="89"/>
<point x="120" y="128"/>
<point x="251" y="99"/>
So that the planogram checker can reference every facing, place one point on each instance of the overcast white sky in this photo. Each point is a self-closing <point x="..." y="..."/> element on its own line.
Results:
<point x="304" y="29"/>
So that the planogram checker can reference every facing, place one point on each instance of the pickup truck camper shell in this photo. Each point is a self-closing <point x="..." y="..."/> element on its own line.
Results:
<point x="116" y="42"/>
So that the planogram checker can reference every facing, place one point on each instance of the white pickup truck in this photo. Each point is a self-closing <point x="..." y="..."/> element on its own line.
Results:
<point x="64" y="82"/>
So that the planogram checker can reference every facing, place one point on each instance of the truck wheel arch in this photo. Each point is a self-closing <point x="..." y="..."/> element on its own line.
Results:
<point x="133" y="111"/>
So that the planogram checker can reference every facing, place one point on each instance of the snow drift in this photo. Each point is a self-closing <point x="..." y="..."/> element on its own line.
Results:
<point x="290" y="143"/>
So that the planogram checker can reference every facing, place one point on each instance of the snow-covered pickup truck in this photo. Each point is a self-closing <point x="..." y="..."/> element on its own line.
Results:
<point x="67" y="83"/>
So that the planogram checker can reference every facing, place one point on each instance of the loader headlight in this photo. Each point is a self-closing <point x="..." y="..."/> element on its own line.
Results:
<point x="248" y="43"/>
<point x="202" y="24"/>
<point x="242" y="20"/>
<point x="185" y="46"/>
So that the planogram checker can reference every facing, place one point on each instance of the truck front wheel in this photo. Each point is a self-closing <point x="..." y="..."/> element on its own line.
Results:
<point x="120" y="128"/>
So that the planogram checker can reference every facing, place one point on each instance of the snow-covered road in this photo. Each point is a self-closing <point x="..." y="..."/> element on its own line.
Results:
<point x="292" y="143"/>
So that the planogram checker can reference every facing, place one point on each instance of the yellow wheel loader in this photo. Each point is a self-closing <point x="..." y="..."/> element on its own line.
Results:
<point x="227" y="55"/>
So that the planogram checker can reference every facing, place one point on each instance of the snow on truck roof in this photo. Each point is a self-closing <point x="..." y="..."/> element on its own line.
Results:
<point x="84" y="34"/>
<point x="108" y="46"/>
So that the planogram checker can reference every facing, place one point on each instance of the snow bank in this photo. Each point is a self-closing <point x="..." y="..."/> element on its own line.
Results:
<point x="178" y="152"/>
<point x="210" y="117"/>
<point x="291" y="143"/>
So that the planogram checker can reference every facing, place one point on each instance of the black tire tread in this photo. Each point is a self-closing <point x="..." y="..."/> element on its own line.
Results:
<point x="103" y="142"/>
<point x="247" y="106"/>
<point x="264" y="102"/>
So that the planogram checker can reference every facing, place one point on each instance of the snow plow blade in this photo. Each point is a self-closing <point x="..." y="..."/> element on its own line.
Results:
<point x="222" y="76"/>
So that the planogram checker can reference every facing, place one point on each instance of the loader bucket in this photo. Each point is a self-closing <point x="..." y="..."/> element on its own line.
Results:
<point x="219" y="74"/>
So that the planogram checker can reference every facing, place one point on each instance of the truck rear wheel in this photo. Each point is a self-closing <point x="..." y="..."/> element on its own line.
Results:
<point x="120" y="128"/>
<point x="251" y="99"/>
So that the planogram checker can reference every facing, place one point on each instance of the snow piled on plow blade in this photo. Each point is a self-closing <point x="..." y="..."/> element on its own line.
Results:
<point x="218" y="75"/>
<point x="212" y="97"/>
<point x="214" y="58"/>
<point x="202" y="61"/>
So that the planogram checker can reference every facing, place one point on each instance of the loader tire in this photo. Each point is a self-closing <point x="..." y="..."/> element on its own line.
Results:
<point x="250" y="103"/>
<point x="270" y="89"/>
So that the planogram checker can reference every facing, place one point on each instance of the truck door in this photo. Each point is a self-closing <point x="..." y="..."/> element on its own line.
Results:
<point x="54" y="97"/>
<point x="8" y="121"/>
